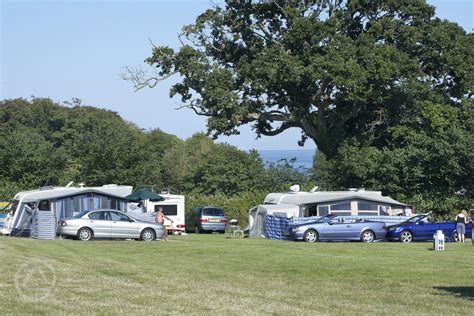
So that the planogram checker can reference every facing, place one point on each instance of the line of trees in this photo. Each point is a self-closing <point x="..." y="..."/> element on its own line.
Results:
<point x="45" y="143"/>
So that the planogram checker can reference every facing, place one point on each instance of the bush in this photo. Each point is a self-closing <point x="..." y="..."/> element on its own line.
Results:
<point x="235" y="206"/>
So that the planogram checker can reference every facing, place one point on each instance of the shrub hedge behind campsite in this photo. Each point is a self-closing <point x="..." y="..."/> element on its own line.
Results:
<point x="235" y="206"/>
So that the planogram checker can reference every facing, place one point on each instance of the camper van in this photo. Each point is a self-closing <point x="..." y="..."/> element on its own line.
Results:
<point x="173" y="208"/>
<point x="63" y="202"/>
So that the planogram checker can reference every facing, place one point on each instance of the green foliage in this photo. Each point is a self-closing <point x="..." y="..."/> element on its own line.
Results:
<point x="283" y="174"/>
<point x="336" y="70"/>
<point x="43" y="143"/>
<point x="235" y="206"/>
<point x="199" y="166"/>
<point x="429" y="165"/>
<point x="384" y="89"/>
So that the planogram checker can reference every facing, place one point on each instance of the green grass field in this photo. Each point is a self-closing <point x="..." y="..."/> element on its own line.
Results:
<point x="211" y="274"/>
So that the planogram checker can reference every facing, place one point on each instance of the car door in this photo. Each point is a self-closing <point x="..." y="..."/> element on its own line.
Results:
<point x="324" y="230"/>
<point x="425" y="230"/>
<point x="123" y="226"/>
<point x="337" y="230"/>
<point x="354" y="230"/>
<point x="100" y="223"/>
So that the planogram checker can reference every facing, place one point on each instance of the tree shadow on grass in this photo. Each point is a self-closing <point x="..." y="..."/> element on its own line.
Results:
<point x="466" y="292"/>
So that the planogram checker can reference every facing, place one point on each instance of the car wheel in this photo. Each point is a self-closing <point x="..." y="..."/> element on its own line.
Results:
<point x="197" y="231"/>
<point x="406" y="236"/>
<point x="368" y="236"/>
<point x="310" y="235"/>
<point x="148" y="234"/>
<point x="84" y="234"/>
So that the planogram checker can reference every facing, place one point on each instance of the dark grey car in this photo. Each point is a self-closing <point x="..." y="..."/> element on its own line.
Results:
<point x="209" y="219"/>
<point x="109" y="224"/>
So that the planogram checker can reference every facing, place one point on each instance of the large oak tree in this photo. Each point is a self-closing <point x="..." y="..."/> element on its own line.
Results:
<point x="335" y="69"/>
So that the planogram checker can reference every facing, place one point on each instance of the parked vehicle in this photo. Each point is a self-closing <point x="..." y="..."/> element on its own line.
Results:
<point x="173" y="208"/>
<point x="108" y="224"/>
<point x="333" y="227"/>
<point x="420" y="227"/>
<point x="209" y="219"/>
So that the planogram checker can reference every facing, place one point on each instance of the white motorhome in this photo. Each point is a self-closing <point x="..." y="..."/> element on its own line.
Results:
<point x="63" y="202"/>
<point x="173" y="207"/>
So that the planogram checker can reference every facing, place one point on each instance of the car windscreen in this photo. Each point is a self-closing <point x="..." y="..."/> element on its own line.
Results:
<point x="213" y="212"/>
<point x="324" y="219"/>
<point x="415" y="219"/>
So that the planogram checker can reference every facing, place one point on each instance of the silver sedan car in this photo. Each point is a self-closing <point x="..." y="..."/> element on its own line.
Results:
<point x="108" y="224"/>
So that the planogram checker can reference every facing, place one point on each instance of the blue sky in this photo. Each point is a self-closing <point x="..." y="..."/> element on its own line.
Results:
<point x="77" y="49"/>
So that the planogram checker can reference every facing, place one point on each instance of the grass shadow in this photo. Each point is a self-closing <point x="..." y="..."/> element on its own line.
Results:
<point x="466" y="292"/>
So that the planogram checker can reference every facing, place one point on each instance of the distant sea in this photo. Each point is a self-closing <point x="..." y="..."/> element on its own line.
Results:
<point x="304" y="157"/>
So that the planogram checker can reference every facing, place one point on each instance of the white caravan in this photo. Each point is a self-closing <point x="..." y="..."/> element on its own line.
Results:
<point x="63" y="202"/>
<point x="173" y="207"/>
<point x="354" y="202"/>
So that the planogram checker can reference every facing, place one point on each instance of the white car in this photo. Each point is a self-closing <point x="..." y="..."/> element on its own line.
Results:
<point x="108" y="224"/>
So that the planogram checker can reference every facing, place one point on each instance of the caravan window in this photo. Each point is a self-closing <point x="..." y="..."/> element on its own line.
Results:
<point x="64" y="208"/>
<point x="344" y="206"/>
<point x="366" y="206"/>
<point x="81" y="203"/>
<point x="312" y="210"/>
<point x="117" y="204"/>
<point x="170" y="210"/>
<point x="43" y="206"/>
<point x="340" y="208"/>
<point x="383" y="210"/>
<point x="323" y="210"/>
<point x="100" y="202"/>
<point x="342" y="213"/>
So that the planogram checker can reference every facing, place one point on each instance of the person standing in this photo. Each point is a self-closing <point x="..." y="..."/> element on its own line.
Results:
<point x="461" y="221"/>
<point x="160" y="220"/>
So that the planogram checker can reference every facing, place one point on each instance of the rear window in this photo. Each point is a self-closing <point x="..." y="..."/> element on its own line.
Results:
<point x="213" y="212"/>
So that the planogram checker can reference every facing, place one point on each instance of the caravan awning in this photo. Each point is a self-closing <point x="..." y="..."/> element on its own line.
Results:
<point x="284" y="210"/>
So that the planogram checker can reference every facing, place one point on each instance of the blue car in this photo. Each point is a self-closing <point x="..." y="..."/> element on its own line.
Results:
<point x="332" y="227"/>
<point x="419" y="227"/>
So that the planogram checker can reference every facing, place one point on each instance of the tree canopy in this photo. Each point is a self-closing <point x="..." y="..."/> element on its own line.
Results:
<point x="428" y="165"/>
<point x="44" y="143"/>
<point x="336" y="69"/>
